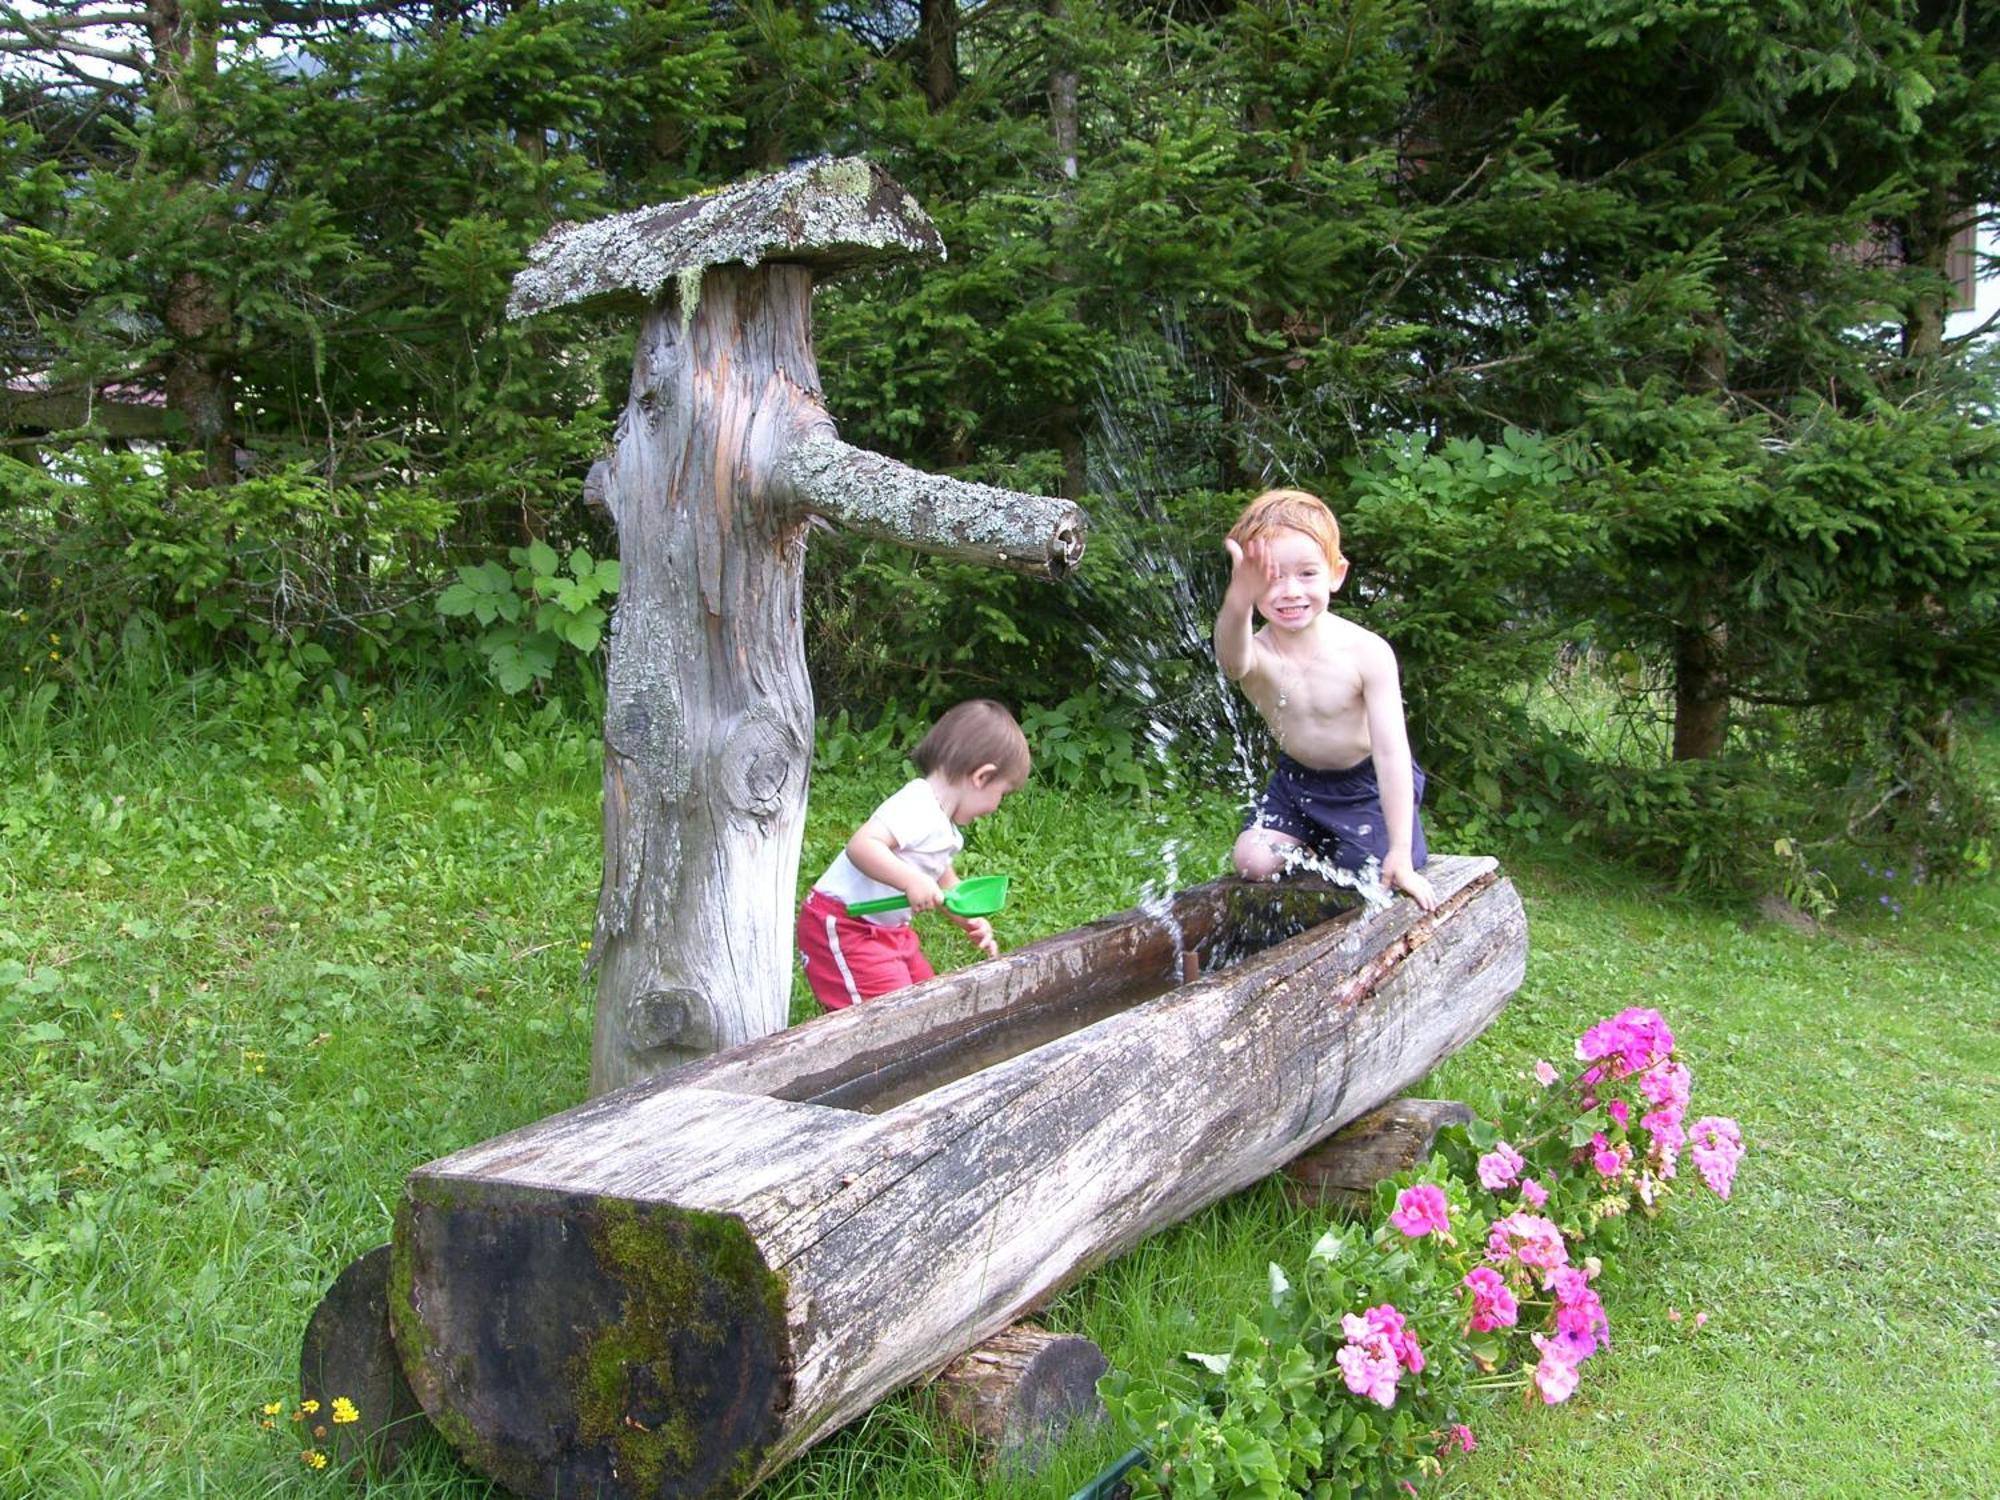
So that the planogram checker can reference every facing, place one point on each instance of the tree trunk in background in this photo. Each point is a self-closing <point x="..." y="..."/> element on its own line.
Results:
<point x="197" y="376"/>
<point x="937" y="51"/>
<point x="1927" y="237"/>
<point x="196" y="311"/>
<point x="708" y="723"/>
<point x="1701" y="679"/>
<point x="1063" y="86"/>
<point x="1701" y="690"/>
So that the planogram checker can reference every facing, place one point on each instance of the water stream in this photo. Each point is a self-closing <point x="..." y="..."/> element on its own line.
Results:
<point x="1164" y="658"/>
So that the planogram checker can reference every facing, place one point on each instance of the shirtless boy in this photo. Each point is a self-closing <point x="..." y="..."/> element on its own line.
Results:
<point x="1346" y="787"/>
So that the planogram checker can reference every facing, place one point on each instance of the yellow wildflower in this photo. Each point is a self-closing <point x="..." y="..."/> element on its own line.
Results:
<point x="312" y="1458"/>
<point x="343" y="1410"/>
<point x="272" y="1408"/>
<point x="309" y="1406"/>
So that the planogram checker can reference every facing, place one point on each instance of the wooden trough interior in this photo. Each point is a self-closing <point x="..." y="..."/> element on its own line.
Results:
<point x="672" y="1289"/>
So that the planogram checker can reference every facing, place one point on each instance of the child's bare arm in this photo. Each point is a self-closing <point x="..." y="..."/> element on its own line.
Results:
<point x="1236" y="622"/>
<point x="872" y="851"/>
<point x="1395" y="768"/>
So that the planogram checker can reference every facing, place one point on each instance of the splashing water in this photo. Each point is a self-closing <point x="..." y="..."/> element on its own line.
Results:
<point x="1164" y="659"/>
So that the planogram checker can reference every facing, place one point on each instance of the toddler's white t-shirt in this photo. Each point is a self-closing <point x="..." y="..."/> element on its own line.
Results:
<point x="924" y="837"/>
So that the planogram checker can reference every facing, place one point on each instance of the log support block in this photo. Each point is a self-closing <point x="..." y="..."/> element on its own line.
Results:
<point x="1343" y="1170"/>
<point x="1021" y="1390"/>
<point x="347" y="1351"/>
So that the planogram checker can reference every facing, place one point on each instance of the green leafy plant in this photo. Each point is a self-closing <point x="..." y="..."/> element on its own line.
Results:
<point x="530" y="611"/>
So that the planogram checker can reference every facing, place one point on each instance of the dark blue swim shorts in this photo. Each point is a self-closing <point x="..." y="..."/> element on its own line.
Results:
<point x="1337" y="814"/>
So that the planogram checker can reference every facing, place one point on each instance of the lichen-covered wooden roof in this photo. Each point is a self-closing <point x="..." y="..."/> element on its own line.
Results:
<point x="832" y="214"/>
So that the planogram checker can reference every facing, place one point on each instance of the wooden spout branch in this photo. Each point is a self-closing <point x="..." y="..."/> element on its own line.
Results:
<point x="673" y="1289"/>
<point x="723" y="458"/>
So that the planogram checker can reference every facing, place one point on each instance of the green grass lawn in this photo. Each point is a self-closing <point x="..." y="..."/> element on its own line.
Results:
<point x="240" y="1001"/>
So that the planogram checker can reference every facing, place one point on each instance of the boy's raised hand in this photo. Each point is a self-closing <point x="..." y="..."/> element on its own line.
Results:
<point x="1249" y="571"/>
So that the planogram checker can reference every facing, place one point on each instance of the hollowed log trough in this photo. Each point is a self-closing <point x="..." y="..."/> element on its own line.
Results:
<point x="675" y="1288"/>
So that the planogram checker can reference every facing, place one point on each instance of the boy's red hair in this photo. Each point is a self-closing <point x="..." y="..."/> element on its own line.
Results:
<point x="1289" y="510"/>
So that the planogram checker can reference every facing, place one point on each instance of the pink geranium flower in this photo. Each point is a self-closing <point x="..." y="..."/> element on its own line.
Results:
<point x="1493" y="1304"/>
<point x="1388" y="1322"/>
<point x="1667" y="1085"/>
<point x="1665" y="1137"/>
<point x="1533" y="1192"/>
<point x="1629" y="1042"/>
<point x="1579" y="1315"/>
<point x="1554" y="1375"/>
<point x="1377" y="1351"/>
<point x="1545" y="1073"/>
<point x="1458" y="1439"/>
<point x="1609" y="1160"/>
<point x="1715" y="1142"/>
<point x="1527" y="1238"/>
<point x="1620" y="1112"/>
<point x="1422" y="1210"/>
<point x="1499" y="1167"/>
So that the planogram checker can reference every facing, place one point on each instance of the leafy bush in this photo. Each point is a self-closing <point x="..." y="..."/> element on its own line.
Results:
<point x="534" y="609"/>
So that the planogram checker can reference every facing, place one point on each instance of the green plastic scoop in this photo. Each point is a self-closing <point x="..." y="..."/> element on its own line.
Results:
<point x="980" y="896"/>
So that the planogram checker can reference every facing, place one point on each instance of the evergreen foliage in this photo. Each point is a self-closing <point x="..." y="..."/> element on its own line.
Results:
<point x="1613" y="329"/>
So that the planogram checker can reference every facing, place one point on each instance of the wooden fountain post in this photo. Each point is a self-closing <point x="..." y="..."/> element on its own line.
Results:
<point x="724" y="456"/>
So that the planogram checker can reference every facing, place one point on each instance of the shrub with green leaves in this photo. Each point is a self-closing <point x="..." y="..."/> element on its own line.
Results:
<point x="532" y="610"/>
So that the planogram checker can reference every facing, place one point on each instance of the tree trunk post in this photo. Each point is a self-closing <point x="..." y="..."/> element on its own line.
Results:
<point x="723" y="457"/>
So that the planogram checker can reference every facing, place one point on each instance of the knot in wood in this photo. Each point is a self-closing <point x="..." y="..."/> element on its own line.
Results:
<point x="644" y="721"/>
<point x="763" y="762"/>
<point x="674" y="1016"/>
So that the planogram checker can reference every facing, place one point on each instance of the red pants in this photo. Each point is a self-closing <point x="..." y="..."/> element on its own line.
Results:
<point x="848" y="959"/>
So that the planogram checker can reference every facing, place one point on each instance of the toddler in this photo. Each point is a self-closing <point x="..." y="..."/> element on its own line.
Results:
<point x="974" y="756"/>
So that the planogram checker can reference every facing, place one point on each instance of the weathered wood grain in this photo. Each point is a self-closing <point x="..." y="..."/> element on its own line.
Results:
<point x="723" y="460"/>
<point x="831" y="215"/>
<point x="790" y="1257"/>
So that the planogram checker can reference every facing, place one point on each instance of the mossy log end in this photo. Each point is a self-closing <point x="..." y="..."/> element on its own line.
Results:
<point x="585" y="1344"/>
